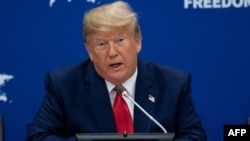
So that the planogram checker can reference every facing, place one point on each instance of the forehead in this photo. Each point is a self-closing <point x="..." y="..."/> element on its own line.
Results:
<point x="112" y="33"/>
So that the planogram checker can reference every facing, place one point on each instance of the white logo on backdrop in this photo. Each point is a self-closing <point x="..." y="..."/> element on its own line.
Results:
<point x="3" y="79"/>
<point x="216" y="4"/>
<point x="51" y="2"/>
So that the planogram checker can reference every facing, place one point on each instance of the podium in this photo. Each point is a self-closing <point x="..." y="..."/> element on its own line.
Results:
<point x="125" y="137"/>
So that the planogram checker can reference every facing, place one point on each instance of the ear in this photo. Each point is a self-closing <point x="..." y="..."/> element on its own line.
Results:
<point x="89" y="50"/>
<point x="139" y="45"/>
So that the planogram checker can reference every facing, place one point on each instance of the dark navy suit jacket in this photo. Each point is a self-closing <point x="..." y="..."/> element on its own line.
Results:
<point x="77" y="101"/>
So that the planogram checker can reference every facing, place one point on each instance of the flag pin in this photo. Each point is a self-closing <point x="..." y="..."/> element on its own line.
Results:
<point x="151" y="98"/>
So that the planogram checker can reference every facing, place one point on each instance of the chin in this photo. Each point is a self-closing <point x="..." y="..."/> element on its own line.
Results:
<point x="116" y="80"/>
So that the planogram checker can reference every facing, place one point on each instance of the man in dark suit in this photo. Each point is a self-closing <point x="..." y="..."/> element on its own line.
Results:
<point x="81" y="98"/>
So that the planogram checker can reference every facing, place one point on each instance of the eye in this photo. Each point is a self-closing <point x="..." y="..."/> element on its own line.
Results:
<point x="120" y="41"/>
<point x="101" y="45"/>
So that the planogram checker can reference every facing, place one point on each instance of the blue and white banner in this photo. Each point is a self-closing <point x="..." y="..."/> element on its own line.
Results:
<point x="208" y="38"/>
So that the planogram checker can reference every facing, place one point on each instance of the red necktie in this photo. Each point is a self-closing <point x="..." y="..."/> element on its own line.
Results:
<point x="123" y="119"/>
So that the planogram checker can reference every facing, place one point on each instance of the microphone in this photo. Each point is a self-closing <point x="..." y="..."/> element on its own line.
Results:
<point x="121" y="90"/>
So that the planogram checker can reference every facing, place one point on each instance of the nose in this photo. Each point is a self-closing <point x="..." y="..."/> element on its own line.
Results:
<point x="112" y="52"/>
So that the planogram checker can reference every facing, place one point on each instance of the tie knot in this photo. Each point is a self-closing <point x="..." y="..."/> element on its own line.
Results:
<point x="119" y="89"/>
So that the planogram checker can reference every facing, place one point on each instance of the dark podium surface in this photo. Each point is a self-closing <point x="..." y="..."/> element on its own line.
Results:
<point x="125" y="137"/>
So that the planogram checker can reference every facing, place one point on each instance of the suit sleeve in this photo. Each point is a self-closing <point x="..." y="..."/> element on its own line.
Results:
<point x="189" y="123"/>
<point x="49" y="122"/>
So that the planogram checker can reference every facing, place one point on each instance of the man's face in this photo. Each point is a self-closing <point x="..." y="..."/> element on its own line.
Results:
<point x="114" y="54"/>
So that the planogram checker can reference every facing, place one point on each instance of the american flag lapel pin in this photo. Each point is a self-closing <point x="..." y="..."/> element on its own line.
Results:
<point x="151" y="98"/>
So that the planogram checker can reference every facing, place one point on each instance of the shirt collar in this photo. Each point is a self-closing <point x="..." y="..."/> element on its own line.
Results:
<point x="129" y="84"/>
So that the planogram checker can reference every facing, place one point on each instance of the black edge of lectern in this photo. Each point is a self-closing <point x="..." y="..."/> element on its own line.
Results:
<point x="127" y="137"/>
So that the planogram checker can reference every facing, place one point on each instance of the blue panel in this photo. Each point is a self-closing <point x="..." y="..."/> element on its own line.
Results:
<point x="213" y="44"/>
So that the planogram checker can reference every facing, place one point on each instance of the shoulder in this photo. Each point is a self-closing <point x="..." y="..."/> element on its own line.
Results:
<point x="160" y="71"/>
<point x="68" y="73"/>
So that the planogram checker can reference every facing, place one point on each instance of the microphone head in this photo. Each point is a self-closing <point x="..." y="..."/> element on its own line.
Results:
<point x="120" y="89"/>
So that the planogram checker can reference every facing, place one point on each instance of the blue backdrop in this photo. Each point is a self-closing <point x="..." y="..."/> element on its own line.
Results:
<point x="208" y="38"/>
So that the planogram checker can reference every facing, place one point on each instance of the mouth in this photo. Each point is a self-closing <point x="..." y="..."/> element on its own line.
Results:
<point x="115" y="65"/>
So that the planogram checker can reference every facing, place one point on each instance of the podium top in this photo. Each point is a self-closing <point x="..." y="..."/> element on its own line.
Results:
<point x="125" y="137"/>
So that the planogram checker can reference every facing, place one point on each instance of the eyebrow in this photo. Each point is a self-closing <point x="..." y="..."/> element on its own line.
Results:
<point x="104" y="38"/>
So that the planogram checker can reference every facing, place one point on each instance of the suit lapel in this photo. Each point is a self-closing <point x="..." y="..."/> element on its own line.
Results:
<point x="146" y="96"/>
<point x="99" y="101"/>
